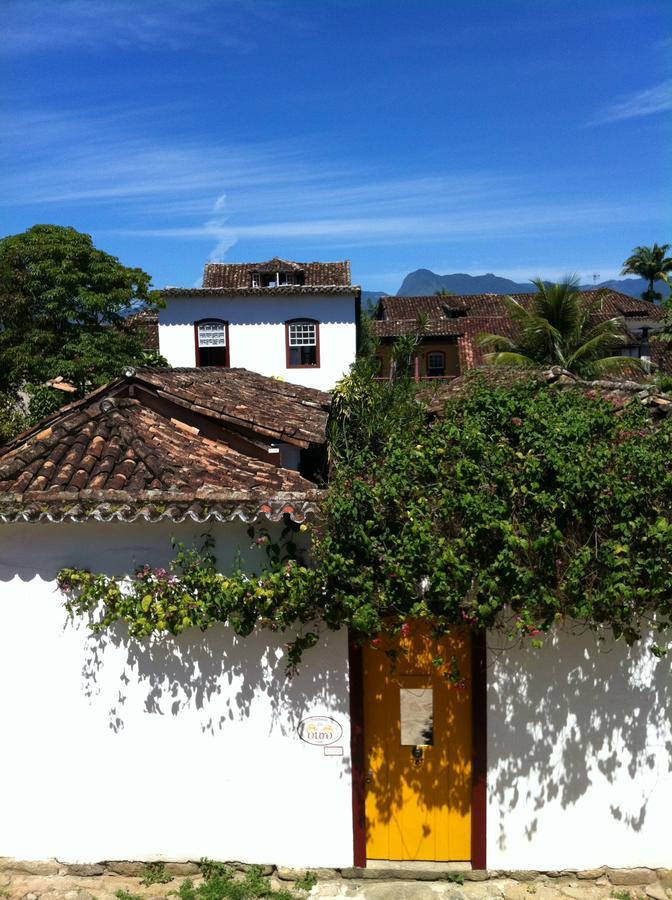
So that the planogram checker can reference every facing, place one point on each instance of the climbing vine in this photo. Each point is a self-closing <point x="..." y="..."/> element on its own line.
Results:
<point x="520" y="506"/>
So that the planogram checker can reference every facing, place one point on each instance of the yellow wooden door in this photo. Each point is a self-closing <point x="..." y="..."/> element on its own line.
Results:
<point x="417" y="740"/>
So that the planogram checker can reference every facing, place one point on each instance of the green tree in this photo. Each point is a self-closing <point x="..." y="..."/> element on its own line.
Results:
<point x="62" y="309"/>
<point x="12" y="420"/>
<point x="558" y="327"/>
<point x="650" y="263"/>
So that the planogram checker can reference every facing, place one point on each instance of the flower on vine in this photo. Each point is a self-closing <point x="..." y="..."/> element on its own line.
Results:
<point x="405" y="629"/>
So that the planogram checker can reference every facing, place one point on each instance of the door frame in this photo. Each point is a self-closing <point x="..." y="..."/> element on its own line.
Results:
<point x="479" y="750"/>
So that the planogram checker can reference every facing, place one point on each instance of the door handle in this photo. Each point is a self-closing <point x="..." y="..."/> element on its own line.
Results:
<point x="369" y="777"/>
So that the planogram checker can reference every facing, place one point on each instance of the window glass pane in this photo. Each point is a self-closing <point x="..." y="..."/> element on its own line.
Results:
<point x="212" y="356"/>
<point x="416" y="714"/>
<point x="435" y="363"/>
<point x="212" y="334"/>
<point x="302" y="334"/>
<point x="303" y="356"/>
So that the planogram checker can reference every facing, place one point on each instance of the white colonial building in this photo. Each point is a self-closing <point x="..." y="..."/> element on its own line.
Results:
<point x="296" y="321"/>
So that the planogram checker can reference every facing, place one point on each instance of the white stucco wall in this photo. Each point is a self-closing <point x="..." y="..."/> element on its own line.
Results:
<point x="115" y="749"/>
<point x="118" y="749"/>
<point x="257" y="333"/>
<point x="579" y="755"/>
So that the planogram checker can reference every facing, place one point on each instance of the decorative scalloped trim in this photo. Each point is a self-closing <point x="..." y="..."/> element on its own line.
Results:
<point x="298" y="512"/>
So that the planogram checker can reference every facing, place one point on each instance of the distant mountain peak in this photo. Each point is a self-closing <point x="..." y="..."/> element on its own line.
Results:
<point x="424" y="282"/>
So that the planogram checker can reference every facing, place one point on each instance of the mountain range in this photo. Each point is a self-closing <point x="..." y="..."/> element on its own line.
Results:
<point x="424" y="282"/>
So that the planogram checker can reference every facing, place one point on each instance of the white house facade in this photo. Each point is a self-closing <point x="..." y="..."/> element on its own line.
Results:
<point x="295" y="321"/>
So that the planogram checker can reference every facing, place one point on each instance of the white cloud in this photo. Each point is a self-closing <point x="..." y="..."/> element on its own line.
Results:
<point x="643" y="103"/>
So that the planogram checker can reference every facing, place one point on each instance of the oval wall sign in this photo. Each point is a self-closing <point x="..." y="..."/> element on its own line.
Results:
<point x="319" y="730"/>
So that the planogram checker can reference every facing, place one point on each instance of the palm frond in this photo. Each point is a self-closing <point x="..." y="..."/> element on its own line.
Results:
<point x="510" y="358"/>
<point x="610" y="365"/>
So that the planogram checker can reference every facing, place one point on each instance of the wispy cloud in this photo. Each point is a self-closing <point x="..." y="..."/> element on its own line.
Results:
<point x="642" y="103"/>
<point x="100" y="164"/>
<point x="37" y="25"/>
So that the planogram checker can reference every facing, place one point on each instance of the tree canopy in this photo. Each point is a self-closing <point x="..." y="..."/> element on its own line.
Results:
<point x="558" y="327"/>
<point x="63" y="304"/>
<point x="651" y="263"/>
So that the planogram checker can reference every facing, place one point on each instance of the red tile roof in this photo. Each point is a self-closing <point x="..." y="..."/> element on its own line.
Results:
<point x="239" y="275"/>
<point x="132" y="449"/>
<point x="287" y="290"/>
<point x="266" y="406"/>
<point x="608" y="303"/>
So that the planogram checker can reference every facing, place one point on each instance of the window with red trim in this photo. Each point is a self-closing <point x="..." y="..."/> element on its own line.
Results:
<point x="212" y="342"/>
<point x="302" y="338"/>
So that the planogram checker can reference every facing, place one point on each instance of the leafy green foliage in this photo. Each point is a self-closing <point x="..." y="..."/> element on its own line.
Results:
<point x="211" y="867"/>
<point x="12" y="419"/>
<point x="155" y="873"/>
<point x="126" y="895"/>
<point x="557" y="328"/>
<point x="62" y="306"/>
<point x="222" y="885"/>
<point x="307" y="882"/>
<point x="43" y="401"/>
<point x="520" y="506"/>
<point x="651" y="263"/>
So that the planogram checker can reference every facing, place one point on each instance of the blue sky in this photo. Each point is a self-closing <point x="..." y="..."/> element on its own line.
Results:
<point x="523" y="138"/>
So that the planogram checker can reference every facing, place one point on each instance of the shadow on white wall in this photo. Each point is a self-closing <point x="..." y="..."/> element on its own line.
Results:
<point x="577" y="725"/>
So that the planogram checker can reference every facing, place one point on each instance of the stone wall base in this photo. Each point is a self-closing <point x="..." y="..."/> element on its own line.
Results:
<point x="54" y="880"/>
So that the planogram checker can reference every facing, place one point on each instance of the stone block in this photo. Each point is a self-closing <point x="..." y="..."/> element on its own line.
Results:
<point x="127" y="868"/>
<point x="664" y="877"/>
<point x="477" y="875"/>
<point x="182" y="868"/>
<point x="84" y="870"/>
<point x="631" y="876"/>
<point x="286" y="874"/>
<point x="405" y="890"/>
<point x="656" y="892"/>
<point x="523" y="875"/>
<point x="30" y="867"/>
<point x="516" y="890"/>
<point x="591" y="874"/>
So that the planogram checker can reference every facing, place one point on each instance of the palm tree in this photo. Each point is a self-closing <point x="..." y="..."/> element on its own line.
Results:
<point x="652" y="264"/>
<point x="557" y="327"/>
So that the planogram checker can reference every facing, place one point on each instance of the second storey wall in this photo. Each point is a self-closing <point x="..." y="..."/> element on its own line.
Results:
<point x="257" y="333"/>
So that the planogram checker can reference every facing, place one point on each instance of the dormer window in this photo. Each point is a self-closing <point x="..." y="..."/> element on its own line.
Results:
<point x="303" y="343"/>
<point x="277" y="279"/>
<point x="212" y="342"/>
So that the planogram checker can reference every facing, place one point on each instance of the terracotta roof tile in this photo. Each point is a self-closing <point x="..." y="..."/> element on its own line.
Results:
<point x="271" y="408"/>
<point x="239" y="275"/>
<point x="100" y="448"/>
<point x="608" y="303"/>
